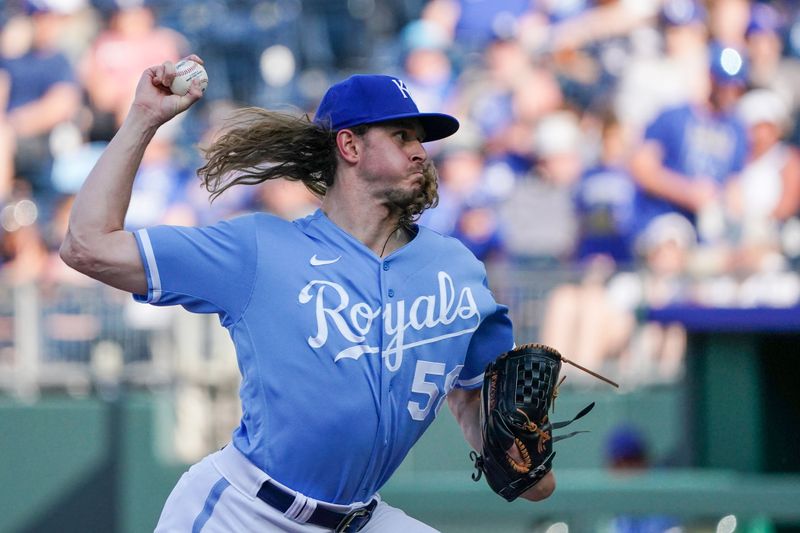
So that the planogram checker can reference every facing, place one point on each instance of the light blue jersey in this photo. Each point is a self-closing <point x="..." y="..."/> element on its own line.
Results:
<point x="345" y="357"/>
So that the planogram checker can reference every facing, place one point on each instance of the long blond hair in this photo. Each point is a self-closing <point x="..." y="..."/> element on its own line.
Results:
<point x="259" y="145"/>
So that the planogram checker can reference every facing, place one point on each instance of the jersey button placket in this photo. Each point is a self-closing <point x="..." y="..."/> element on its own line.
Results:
<point x="386" y="267"/>
<point x="385" y="430"/>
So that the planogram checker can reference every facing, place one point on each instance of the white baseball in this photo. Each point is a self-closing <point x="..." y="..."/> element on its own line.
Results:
<point x="187" y="70"/>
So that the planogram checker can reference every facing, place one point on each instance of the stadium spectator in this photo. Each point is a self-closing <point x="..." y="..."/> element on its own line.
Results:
<point x="604" y="201"/>
<point x="427" y="68"/>
<point x="535" y="94"/>
<point x="580" y="24"/>
<point x="770" y="67"/>
<point x="42" y="92"/>
<point x="132" y="33"/>
<point x="56" y="271"/>
<point x="211" y="122"/>
<point x="656" y="351"/>
<point x="669" y="76"/>
<point x="690" y="151"/>
<point x="468" y="197"/>
<point x="626" y="449"/>
<point x="596" y="319"/>
<point x="335" y="36"/>
<point x="478" y="227"/>
<point x="485" y="96"/>
<point x="581" y="319"/>
<point x="767" y="191"/>
<point x="590" y="43"/>
<point x="727" y="21"/>
<point x="232" y="37"/>
<point x="540" y="214"/>
<point x="461" y="167"/>
<point x="475" y="24"/>
<point x="158" y="195"/>
<point x="628" y="453"/>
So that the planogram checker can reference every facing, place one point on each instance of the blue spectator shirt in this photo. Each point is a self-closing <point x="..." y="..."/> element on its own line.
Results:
<point x="33" y="74"/>
<point x="695" y="144"/>
<point x="604" y="200"/>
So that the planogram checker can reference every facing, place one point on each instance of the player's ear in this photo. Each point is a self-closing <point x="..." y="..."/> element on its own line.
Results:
<point x="348" y="144"/>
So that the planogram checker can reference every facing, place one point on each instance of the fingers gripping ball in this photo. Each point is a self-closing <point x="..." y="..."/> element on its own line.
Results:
<point x="187" y="70"/>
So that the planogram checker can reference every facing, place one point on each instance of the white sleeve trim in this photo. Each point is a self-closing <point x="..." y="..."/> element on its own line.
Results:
<point x="155" y="279"/>
<point x="464" y="383"/>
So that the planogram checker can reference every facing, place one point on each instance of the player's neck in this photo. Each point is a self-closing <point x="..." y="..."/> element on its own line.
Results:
<point x="371" y="224"/>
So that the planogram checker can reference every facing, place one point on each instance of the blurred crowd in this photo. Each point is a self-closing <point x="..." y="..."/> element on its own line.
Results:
<point x="650" y="145"/>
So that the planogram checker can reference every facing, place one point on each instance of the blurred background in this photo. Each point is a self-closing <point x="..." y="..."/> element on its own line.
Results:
<point x="627" y="169"/>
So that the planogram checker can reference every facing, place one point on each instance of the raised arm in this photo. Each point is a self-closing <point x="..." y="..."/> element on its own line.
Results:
<point x="649" y="172"/>
<point x="96" y="243"/>
<point x="465" y="405"/>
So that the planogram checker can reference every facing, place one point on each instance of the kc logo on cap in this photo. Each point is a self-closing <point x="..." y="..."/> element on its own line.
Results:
<point x="369" y="99"/>
<point x="403" y="89"/>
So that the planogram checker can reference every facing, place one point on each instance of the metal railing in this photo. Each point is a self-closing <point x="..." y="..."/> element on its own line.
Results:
<point x="76" y="337"/>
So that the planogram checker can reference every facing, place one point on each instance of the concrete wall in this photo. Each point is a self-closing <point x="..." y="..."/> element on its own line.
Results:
<point x="89" y="465"/>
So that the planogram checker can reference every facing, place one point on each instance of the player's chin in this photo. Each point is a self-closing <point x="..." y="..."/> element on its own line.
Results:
<point x="412" y="185"/>
<point x="401" y="198"/>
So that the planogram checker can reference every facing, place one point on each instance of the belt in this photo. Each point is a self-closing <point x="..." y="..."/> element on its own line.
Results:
<point x="338" y="522"/>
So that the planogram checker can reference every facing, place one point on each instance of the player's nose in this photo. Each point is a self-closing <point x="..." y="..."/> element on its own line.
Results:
<point x="418" y="153"/>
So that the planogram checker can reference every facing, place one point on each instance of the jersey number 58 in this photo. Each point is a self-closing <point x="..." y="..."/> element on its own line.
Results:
<point x="427" y="377"/>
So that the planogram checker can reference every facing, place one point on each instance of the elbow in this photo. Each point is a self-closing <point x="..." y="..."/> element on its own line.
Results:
<point x="74" y="254"/>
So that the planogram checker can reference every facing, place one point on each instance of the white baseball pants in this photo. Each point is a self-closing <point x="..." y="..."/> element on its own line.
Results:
<point x="218" y="495"/>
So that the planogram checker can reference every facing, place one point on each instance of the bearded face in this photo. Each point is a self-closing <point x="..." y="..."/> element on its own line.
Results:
<point x="414" y="201"/>
<point x="396" y="169"/>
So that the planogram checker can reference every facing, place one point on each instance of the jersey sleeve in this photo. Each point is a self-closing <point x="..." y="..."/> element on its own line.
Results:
<point x="493" y="337"/>
<point x="206" y="270"/>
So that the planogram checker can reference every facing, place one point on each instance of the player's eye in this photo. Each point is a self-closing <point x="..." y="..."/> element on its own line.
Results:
<point x="408" y="135"/>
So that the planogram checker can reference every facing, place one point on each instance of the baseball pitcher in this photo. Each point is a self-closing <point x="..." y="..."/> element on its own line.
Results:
<point x="352" y="326"/>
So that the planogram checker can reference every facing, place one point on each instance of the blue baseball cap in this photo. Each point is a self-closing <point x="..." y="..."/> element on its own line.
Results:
<point x="728" y="66"/>
<point x="625" y="442"/>
<point x="369" y="99"/>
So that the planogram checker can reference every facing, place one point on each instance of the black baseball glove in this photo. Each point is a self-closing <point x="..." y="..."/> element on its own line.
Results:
<point x="519" y="389"/>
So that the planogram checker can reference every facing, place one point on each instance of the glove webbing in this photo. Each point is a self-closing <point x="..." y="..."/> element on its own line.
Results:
<point x="565" y="360"/>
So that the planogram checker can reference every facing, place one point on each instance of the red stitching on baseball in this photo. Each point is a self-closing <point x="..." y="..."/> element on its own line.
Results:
<point x="191" y="67"/>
